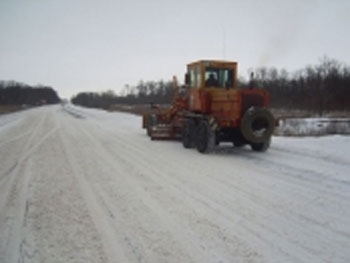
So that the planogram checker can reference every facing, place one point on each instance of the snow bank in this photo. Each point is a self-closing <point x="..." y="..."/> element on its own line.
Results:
<point x="313" y="126"/>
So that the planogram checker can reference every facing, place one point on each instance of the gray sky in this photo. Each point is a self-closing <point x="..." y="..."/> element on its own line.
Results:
<point x="85" y="45"/>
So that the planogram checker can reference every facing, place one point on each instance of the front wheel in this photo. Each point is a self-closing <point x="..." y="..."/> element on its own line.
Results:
<point x="188" y="138"/>
<point x="206" y="137"/>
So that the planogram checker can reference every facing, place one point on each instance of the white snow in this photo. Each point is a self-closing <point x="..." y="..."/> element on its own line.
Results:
<point x="313" y="126"/>
<point x="83" y="185"/>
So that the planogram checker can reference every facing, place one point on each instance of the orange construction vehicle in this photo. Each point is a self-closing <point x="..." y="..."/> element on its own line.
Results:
<point x="211" y="109"/>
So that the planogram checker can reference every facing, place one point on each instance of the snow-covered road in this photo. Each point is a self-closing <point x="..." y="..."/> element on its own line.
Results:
<point x="79" y="185"/>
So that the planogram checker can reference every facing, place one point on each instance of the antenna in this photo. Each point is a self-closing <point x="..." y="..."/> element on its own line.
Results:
<point x="223" y="42"/>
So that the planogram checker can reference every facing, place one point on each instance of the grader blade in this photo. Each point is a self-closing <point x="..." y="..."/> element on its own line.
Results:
<point x="161" y="132"/>
<point x="164" y="132"/>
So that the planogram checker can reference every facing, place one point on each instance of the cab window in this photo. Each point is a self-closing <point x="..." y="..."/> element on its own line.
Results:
<point x="194" y="77"/>
<point x="198" y="77"/>
<point x="218" y="77"/>
<point x="191" y="76"/>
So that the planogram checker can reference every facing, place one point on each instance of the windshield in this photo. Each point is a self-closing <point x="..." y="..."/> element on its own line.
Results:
<point x="218" y="77"/>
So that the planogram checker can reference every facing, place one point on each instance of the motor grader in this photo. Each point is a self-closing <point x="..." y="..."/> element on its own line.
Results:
<point x="210" y="109"/>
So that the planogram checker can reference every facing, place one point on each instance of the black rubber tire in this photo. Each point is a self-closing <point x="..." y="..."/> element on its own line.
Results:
<point x="257" y="125"/>
<point x="205" y="137"/>
<point x="188" y="134"/>
<point x="261" y="147"/>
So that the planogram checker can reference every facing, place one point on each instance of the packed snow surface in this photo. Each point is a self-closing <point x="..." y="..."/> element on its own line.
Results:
<point x="80" y="185"/>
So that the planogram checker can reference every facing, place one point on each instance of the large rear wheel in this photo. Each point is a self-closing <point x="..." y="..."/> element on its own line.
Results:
<point x="257" y="125"/>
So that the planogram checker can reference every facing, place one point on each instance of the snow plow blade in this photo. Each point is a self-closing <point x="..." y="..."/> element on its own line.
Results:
<point x="164" y="132"/>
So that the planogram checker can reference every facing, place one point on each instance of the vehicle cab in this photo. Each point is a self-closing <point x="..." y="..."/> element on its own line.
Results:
<point x="212" y="88"/>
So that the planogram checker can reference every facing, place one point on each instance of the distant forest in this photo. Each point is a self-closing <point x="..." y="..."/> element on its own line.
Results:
<point x="160" y="92"/>
<point x="318" y="88"/>
<point x="15" y="93"/>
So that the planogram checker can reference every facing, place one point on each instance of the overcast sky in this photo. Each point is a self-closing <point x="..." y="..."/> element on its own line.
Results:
<point x="85" y="45"/>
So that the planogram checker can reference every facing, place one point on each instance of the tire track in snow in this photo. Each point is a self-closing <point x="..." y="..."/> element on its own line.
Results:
<point x="145" y="203"/>
<point x="214" y="207"/>
<point x="329" y="180"/>
<point x="325" y="158"/>
<point x="320" y="231"/>
<point x="58" y="226"/>
<point x="11" y="172"/>
<point x="16" y="190"/>
<point x="153" y="200"/>
<point x="130" y="153"/>
<point x="9" y="119"/>
<point x="31" y="145"/>
<point x="15" y="138"/>
<point x="100" y="217"/>
<point x="144" y="161"/>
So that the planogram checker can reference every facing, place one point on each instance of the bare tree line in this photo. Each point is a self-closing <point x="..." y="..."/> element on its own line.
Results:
<point x="145" y="92"/>
<point x="15" y="93"/>
<point x="317" y="88"/>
